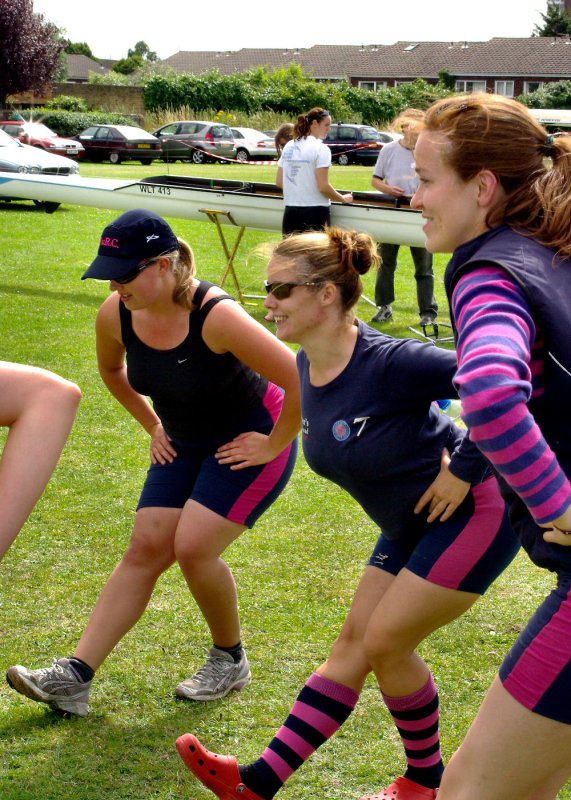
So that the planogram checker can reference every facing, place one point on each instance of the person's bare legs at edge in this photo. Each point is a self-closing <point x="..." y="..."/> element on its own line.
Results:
<point x="39" y="407"/>
<point x="509" y="752"/>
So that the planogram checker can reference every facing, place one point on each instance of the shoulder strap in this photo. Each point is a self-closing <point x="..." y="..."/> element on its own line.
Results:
<point x="126" y="323"/>
<point x="200" y="293"/>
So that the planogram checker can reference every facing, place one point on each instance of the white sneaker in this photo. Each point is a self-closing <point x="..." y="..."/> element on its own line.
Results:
<point x="58" y="686"/>
<point x="218" y="676"/>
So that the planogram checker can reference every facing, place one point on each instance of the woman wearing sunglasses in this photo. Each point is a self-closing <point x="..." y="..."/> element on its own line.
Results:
<point x="222" y="448"/>
<point x="369" y="424"/>
<point x="303" y="175"/>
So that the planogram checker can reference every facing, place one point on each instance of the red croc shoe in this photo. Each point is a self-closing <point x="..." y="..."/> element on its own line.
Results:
<point x="403" y="789"/>
<point x="218" y="773"/>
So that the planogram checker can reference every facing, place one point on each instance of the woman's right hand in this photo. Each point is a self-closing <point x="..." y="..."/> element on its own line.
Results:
<point x="161" y="447"/>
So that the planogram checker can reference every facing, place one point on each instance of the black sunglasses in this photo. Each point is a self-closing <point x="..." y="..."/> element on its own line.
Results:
<point x="132" y="274"/>
<point x="282" y="290"/>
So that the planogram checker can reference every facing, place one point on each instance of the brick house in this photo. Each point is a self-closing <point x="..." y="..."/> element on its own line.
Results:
<point x="506" y="66"/>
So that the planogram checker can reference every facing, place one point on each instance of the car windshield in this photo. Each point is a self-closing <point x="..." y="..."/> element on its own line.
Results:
<point x="8" y="141"/>
<point x="38" y="129"/>
<point x="370" y="134"/>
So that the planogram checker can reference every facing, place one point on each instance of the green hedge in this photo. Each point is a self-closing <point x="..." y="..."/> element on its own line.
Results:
<point x="552" y="95"/>
<point x="284" y="91"/>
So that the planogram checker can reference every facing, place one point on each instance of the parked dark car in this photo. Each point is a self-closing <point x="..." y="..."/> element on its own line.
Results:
<point x="39" y="135"/>
<point x="354" y="144"/>
<point x="195" y="141"/>
<point x="116" y="143"/>
<point x="22" y="158"/>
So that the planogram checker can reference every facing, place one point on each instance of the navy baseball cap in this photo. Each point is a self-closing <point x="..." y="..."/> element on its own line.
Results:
<point x="137" y="235"/>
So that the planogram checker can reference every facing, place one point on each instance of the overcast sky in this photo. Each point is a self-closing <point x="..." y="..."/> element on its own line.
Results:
<point x="111" y="27"/>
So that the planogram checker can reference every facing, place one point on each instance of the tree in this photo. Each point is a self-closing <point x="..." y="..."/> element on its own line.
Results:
<point x="79" y="49"/>
<point x="142" y="49"/>
<point x="556" y="22"/>
<point x="128" y="65"/>
<point x="446" y="79"/>
<point x="29" y="49"/>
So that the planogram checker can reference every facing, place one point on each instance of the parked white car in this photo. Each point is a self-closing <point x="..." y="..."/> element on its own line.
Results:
<point x="18" y="157"/>
<point x="252" y="144"/>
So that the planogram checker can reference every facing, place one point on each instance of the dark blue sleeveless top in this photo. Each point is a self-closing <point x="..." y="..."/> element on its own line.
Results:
<point x="196" y="393"/>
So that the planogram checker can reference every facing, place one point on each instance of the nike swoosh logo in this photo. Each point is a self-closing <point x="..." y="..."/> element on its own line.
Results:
<point x="182" y="360"/>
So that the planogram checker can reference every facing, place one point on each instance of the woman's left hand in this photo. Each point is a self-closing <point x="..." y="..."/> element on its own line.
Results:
<point x="554" y="532"/>
<point x="557" y="537"/>
<point x="246" y="450"/>
<point x="444" y="494"/>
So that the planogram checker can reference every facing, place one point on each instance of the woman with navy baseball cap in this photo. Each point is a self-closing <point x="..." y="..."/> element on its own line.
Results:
<point x="222" y="447"/>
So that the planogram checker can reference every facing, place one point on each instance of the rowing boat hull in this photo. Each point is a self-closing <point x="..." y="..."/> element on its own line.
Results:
<point x="251" y="205"/>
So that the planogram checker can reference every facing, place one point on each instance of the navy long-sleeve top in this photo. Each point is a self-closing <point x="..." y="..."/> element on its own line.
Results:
<point x="376" y="432"/>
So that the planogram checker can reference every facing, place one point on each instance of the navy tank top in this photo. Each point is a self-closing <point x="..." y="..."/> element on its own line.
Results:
<point x="195" y="392"/>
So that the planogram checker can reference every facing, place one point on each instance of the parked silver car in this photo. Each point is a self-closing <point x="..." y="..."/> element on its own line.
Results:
<point x="252" y="144"/>
<point x="195" y="141"/>
<point x="23" y="158"/>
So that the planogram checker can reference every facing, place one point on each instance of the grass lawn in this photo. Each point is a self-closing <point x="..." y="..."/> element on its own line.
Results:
<point x="296" y="570"/>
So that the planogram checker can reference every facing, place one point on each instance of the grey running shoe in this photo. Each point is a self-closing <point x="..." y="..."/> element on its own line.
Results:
<point x="58" y="686"/>
<point x="384" y="314"/>
<point x="218" y="676"/>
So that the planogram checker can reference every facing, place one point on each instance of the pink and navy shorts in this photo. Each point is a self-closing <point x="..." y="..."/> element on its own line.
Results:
<point x="537" y="670"/>
<point x="466" y="553"/>
<point x="238" y="495"/>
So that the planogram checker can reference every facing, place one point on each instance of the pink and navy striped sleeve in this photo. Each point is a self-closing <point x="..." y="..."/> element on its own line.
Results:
<point x="500" y="367"/>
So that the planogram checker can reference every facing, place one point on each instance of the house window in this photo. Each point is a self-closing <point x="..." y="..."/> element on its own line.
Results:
<point x="505" y="88"/>
<point x="402" y="83"/>
<point x="532" y="86"/>
<point x="470" y="86"/>
<point x="372" y="86"/>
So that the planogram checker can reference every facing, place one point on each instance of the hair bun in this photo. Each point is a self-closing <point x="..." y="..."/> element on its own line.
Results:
<point x="357" y="251"/>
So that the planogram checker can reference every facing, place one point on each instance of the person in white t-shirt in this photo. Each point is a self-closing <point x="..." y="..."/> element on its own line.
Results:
<point x="303" y="174"/>
<point x="395" y="175"/>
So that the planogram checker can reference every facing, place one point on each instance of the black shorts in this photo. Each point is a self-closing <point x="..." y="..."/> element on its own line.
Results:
<point x="298" y="219"/>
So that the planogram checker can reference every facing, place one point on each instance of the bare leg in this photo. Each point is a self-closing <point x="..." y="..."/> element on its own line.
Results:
<point x="347" y="663"/>
<point x="411" y="609"/>
<point x="39" y="407"/>
<point x="508" y="752"/>
<point x="128" y="590"/>
<point x="201" y="538"/>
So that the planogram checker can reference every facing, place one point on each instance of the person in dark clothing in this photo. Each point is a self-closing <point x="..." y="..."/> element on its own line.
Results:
<point x="494" y="192"/>
<point x="369" y="424"/>
<point x="223" y="446"/>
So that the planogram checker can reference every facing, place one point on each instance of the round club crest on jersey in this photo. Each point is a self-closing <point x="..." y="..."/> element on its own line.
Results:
<point x="340" y="430"/>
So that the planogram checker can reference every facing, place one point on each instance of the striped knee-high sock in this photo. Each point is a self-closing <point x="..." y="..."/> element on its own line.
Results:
<point x="416" y="717"/>
<point x="320" y="709"/>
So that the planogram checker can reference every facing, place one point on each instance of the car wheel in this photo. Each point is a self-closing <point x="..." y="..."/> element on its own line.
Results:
<point x="198" y="157"/>
<point x="343" y="160"/>
<point x="146" y="161"/>
<point x="114" y="158"/>
<point x="47" y="206"/>
<point x="242" y="155"/>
